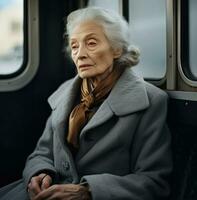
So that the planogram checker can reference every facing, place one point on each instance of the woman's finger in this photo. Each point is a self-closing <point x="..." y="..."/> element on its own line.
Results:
<point x="34" y="186"/>
<point x="46" y="182"/>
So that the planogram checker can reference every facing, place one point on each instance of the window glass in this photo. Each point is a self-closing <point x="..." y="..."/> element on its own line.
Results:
<point x="11" y="36"/>
<point x="147" y="21"/>
<point x="192" y="36"/>
<point x="109" y="4"/>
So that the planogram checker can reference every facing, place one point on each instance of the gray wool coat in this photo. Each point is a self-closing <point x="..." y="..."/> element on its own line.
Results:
<point x="124" y="153"/>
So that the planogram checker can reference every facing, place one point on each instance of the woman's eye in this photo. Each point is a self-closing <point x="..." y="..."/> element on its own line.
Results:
<point x="92" y="43"/>
<point x="73" y="46"/>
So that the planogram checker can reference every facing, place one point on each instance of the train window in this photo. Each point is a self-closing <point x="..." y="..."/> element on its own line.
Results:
<point x="106" y="4"/>
<point x="145" y="20"/>
<point x="11" y="36"/>
<point x="19" y="49"/>
<point x="192" y="36"/>
<point x="148" y="32"/>
<point x="187" y="41"/>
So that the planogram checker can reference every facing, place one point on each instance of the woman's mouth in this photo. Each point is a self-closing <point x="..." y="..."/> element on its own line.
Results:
<point x="85" y="67"/>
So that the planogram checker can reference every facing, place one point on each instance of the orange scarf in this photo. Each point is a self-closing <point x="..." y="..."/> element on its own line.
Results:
<point x="90" y="98"/>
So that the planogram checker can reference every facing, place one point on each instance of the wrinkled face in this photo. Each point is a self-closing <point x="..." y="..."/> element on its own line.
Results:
<point x="91" y="51"/>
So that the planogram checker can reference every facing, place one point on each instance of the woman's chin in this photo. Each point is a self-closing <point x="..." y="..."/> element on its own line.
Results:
<point x="86" y="75"/>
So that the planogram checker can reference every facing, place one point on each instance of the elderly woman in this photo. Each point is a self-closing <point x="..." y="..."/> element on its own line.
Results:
<point x="106" y="138"/>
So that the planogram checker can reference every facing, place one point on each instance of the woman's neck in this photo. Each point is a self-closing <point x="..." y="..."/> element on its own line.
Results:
<point x="94" y="81"/>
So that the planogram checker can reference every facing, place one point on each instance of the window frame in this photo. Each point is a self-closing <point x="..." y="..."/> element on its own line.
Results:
<point x="27" y="72"/>
<point x="163" y="80"/>
<point x="171" y="45"/>
<point x="181" y="66"/>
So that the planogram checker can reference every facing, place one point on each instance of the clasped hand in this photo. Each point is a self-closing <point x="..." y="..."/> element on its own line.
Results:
<point x="40" y="188"/>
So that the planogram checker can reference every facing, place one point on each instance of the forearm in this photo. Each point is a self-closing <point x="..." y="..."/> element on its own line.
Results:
<point x="33" y="169"/>
<point x="42" y="157"/>
<point x="133" y="186"/>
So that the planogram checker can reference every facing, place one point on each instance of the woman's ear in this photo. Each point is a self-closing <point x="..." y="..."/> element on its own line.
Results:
<point x="117" y="52"/>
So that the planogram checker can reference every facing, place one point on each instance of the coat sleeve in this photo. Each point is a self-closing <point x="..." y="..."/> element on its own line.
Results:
<point x="151" y="161"/>
<point x="42" y="157"/>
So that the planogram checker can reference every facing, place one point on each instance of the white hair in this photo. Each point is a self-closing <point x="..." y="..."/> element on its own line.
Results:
<point x="115" y="28"/>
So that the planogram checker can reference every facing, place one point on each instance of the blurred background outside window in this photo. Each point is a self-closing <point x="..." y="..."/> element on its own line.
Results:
<point x="11" y="36"/>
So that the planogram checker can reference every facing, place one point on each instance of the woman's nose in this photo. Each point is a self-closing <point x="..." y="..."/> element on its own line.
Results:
<point x="82" y="53"/>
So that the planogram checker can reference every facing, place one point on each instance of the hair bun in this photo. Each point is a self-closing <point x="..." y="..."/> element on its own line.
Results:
<point x="130" y="57"/>
<point x="135" y="54"/>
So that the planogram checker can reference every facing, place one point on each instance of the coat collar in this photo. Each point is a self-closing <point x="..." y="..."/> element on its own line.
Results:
<point x="65" y="93"/>
<point x="129" y="95"/>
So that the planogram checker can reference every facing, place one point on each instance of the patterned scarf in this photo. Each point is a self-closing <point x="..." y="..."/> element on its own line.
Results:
<point x="90" y="98"/>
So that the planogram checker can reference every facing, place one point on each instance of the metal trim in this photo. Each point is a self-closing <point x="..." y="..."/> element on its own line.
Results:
<point x="180" y="68"/>
<point x="121" y="7"/>
<point x="182" y="95"/>
<point x="171" y="45"/>
<point x="18" y="82"/>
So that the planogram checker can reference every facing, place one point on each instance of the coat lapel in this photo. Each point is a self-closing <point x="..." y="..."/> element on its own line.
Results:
<point x="102" y="115"/>
<point x="128" y="96"/>
<point x="62" y="102"/>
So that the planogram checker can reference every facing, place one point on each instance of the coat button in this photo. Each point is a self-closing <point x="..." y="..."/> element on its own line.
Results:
<point x="66" y="165"/>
